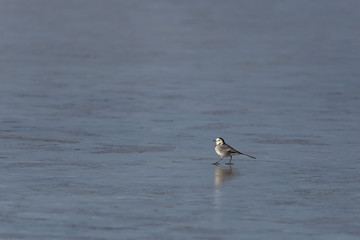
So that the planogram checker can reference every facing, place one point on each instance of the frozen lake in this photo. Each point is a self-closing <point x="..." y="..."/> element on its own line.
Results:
<point x="109" y="108"/>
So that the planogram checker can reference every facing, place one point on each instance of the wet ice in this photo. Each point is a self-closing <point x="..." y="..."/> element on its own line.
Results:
<point x="108" y="112"/>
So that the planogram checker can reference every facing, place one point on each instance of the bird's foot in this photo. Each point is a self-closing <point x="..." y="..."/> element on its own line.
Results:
<point x="229" y="163"/>
<point x="215" y="163"/>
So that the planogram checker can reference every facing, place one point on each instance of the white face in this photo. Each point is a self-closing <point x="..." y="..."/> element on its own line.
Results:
<point x="218" y="141"/>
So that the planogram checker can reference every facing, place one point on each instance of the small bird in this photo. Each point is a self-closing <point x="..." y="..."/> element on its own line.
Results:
<point x="224" y="150"/>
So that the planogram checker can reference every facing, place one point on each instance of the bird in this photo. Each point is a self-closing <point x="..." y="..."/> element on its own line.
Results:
<point x="224" y="150"/>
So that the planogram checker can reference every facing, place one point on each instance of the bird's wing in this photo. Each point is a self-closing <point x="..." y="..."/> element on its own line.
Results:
<point x="229" y="149"/>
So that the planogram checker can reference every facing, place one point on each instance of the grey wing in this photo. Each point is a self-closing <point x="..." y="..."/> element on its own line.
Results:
<point x="228" y="149"/>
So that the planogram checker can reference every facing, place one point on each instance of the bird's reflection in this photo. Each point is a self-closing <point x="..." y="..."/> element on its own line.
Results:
<point x="222" y="174"/>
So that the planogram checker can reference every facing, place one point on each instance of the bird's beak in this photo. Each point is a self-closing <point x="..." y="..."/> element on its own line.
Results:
<point x="214" y="140"/>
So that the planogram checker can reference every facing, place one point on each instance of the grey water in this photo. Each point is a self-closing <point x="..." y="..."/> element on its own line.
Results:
<point x="108" y="110"/>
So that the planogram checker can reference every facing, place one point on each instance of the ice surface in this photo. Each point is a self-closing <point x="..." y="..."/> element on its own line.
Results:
<point x="109" y="108"/>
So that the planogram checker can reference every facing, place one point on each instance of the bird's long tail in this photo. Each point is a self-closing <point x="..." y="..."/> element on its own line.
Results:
<point x="248" y="155"/>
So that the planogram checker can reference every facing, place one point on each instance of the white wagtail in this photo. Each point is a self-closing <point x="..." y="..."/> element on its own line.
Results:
<point x="224" y="150"/>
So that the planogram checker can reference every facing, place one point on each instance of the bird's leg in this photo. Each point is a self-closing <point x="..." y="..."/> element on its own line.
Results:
<point x="229" y="163"/>
<point x="217" y="163"/>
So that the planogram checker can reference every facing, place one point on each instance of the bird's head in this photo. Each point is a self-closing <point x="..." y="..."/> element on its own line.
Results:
<point x="219" y="141"/>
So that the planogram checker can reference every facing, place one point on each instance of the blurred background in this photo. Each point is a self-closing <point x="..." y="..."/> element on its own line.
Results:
<point x="108" y="110"/>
